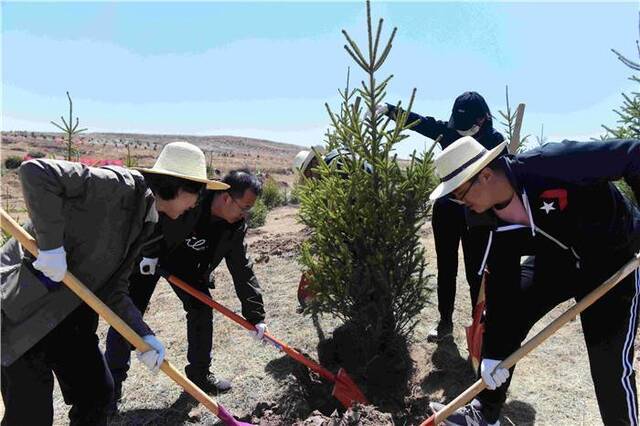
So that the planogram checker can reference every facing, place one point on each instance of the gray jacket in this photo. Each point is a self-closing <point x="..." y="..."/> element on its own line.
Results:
<point x="101" y="216"/>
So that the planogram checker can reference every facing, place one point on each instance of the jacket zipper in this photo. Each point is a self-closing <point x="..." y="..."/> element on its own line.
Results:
<point x="533" y="227"/>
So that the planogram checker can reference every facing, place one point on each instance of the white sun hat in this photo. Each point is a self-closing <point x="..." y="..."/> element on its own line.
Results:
<point x="186" y="161"/>
<point x="461" y="161"/>
<point x="303" y="158"/>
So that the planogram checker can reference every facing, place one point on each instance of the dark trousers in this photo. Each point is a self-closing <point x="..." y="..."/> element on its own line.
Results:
<point x="449" y="229"/>
<point x="199" y="328"/>
<point x="71" y="352"/>
<point x="609" y="328"/>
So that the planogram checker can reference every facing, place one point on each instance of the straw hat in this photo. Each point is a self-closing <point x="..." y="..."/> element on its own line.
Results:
<point x="186" y="161"/>
<point x="461" y="161"/>
<point x="303" y="158"/>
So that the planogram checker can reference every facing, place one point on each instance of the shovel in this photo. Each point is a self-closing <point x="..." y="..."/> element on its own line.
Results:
<point x="536" y="340"/>
<point x="27" y="241"/>
<point x="475" y="331"/>
<point x="345" y="389"/>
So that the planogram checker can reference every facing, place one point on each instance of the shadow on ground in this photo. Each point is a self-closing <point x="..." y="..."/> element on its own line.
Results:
<point x="177" y="413"/>
<point x="519" y="413"/>
<point x="303" y="393"/>
<point x="452" y="374"/>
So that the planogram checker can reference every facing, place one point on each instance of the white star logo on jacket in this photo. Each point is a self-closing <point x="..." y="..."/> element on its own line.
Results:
<point x="547" y="207"/>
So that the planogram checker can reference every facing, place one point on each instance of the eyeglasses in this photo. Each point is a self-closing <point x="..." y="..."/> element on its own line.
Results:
<point x="242" y="209"/>
<point x="460" y="199"/>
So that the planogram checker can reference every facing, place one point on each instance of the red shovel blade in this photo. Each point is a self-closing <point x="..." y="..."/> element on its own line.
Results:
<point x="305" y="295"/>
<point x="346" y="391"/>
<point x="474" y="336"/>
<point x="431" y="421"/>
<point x="475" y="331"/>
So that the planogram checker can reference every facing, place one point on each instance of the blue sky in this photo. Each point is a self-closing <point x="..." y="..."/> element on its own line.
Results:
<point x="265" y="69"/>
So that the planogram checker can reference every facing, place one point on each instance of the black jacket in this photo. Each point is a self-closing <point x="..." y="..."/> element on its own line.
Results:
<point x="194" y="245"/>
<point x="578" y="217"/>
<point x="432" y="128"/>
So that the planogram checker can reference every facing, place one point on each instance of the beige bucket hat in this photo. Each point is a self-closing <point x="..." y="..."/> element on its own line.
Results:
<point x="186" y="161"/>
<point x="303" y="158"/>
<point x="461" y="161"/>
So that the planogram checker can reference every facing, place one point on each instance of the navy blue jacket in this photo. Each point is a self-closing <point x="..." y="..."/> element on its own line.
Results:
<point x="432" y="128"/>
<point x="578" y="217"/>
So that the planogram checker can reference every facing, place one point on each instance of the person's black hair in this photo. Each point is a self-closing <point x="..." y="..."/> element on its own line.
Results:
<point x="239" y="181"/>
<point x="167" y="187"/>
<point x="497" y="164"/>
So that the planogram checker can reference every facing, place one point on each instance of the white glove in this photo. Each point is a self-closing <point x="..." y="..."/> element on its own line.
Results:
<point x="148" y="265"/>
<point x="153" y="357"/>
<point x="493" y="377"/>
<point x="258" y="333"/>
<point x="52" y="263"/>
<point x="380" y="110"/>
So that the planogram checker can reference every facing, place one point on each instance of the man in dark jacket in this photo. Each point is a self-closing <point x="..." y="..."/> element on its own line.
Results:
<point x="558" y="203"/>
<point x="470" y="116"/>
<point x="93" y="220"/>
<point x="191" y="249"/>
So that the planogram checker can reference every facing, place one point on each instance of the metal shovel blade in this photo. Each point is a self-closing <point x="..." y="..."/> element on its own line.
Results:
<point x="346" y="391"/>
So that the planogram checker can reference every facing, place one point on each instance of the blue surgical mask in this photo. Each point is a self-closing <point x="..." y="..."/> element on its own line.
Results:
<point x="472" y="131"/>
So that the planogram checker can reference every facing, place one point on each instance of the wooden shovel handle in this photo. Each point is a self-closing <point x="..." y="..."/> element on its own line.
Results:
<point x="536" y="340"/>
<point x="27" y="241"/>
<point x="246" y="324"/>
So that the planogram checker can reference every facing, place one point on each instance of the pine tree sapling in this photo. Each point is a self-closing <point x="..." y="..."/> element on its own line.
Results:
<point x="541" y="139"/>
<point x="511" y="123"/>
<point x="271" y="194"/>
<point x="628" y="122"/>
<point x="130" y="160"/>
<point x="364" y="257"/>
<point x="258" y="215"/>
<point x="71" y="130"/>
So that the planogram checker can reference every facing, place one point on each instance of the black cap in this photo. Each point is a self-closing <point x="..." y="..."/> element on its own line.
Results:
<point x="467" y="108"/>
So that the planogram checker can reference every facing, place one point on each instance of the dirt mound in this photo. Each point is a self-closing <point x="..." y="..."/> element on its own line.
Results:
<point x="283" y="246"/>
<point x="359" y="415"/>
<point x="304" y="393"/>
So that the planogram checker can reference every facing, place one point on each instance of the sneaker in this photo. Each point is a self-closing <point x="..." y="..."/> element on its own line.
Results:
<point x="441" y="332"/>
<point x="469" y="415"/>
<point x="209" y="383"/>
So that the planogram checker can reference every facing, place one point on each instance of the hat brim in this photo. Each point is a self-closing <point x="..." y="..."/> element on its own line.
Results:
<point x="451" y="185"/>
<point x="211" y="184"/>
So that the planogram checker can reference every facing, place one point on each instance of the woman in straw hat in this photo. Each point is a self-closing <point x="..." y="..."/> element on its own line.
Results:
<point x="558" y="203"/>
<point x="92" y="221"/>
